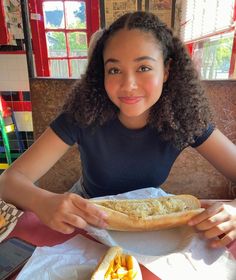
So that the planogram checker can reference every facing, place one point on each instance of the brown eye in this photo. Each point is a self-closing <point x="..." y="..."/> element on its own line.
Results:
<point x="113" y="71"/>
<point x="144" y="69"/>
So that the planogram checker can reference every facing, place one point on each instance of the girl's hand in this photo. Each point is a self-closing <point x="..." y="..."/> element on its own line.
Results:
<point x="218" y="219"/>
<point x="65" y="212"/>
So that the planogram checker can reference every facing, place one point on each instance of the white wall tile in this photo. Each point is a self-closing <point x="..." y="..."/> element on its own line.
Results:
<point x="24" y="121"/>
<point x="13" y="72"/>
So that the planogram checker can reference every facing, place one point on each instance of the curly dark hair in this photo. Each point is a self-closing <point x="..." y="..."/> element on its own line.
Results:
<point x="180" y="115"/>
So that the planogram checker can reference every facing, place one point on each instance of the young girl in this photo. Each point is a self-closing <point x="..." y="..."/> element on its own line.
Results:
<point x="137" y="107"/>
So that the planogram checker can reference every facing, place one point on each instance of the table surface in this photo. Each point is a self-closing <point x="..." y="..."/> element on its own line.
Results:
<point x="32" y="230"/>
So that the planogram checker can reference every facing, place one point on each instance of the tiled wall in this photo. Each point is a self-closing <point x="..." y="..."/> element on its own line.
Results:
<point x="13" y="72"/>
<point x="19" y="101"/>
<point x="20" y="104"/>
<point x="14" y="90"/>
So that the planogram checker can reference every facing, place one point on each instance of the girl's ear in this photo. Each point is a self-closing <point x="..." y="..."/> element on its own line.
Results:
<point x="166" y="70"/>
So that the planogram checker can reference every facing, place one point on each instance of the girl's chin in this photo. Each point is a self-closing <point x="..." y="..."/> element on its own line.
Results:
<point x="134" y="114"/>
<point x="135" y="118"/>
<point x="131" y="116"/>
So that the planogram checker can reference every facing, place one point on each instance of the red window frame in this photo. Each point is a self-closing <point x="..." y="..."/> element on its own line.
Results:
<point x="4" y="38"/>
<point x="39" y="31"/>
<point x="233" y="56"/>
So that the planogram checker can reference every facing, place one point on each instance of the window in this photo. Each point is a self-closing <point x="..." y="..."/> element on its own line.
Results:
<point x="208" y="29"/>
<point x="60" y="41"/>
<point x="212" y="56"/>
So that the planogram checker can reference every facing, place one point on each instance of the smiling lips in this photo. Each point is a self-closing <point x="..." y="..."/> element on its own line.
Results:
<point x="130" y="100"/>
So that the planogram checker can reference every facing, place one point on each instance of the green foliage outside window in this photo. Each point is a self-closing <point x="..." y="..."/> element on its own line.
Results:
<point x="216" y="58"/>
<point x="77" y="41"/>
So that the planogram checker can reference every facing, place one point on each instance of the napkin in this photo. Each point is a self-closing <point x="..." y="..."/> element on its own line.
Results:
<point x="73" y="260"/>
<point x="178" y="253"/>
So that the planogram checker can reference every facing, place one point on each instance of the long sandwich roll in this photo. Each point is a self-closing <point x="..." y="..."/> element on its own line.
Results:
<point x="149" y="214"/>
<point x="116" y="265"/>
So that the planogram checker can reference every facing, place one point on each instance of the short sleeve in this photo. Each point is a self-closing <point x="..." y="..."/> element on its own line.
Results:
<point x="202" y="138"/>
<point x="66" y="129"/>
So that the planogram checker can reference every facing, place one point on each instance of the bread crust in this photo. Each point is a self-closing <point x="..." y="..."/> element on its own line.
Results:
<point x="184" y="208"/>
<point x="104" y="264"/>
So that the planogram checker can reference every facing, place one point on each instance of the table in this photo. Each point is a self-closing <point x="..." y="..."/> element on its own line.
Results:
<point x="31" y="229"/>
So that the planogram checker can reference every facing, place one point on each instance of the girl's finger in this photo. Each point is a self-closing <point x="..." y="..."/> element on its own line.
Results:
<point x="76" y="215"/>
<point x="219" y="230"/>
<point x="209" y="212"/>
<point x="213" y="221"/>
<point x="87" y="207"/>
<point x="74" y="220"/>
<point x="226" y="240"/>
<point x="93" y="220"/>
<point x="63" y="228"/>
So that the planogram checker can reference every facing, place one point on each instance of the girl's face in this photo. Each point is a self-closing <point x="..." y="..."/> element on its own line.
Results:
<point x="134" y="74"/>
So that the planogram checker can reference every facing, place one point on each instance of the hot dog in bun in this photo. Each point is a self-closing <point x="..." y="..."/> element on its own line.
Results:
<point x="149" y="214"/>
<point x="115" y="265"/>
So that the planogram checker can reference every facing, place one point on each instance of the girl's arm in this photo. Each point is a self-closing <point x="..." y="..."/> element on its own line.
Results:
<point x="17" y="182"/>
<point x="62" y="212"/>
<point x="218" y="221"/>
<point x="221" y="153"/>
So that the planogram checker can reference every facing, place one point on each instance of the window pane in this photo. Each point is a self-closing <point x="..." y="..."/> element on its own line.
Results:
<point x="212" y="56"/>
<point x="202" y="17"/>
<point x="59" y="68"/>
<point x="78" y="67"/>
<point x="53" y="14"/>
<point x="75" y="14"/>
<point x="56" y="43"/>
<point x="77" y="43"/>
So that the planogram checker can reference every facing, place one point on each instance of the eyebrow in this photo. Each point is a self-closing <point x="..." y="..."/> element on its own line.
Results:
<point x="113" y="60"/>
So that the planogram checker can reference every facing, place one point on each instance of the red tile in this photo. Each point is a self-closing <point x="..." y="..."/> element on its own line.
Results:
<point x="27" y="106"/>
<point x="20" y="106"/>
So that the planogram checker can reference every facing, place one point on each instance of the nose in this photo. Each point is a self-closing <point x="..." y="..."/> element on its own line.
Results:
<point x="129" y="83"/>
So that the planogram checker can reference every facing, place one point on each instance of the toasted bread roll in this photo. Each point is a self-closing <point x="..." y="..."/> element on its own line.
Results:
<point x="115" y="265"/>
<point x="2" y="221"/>
<point x="149" y="214"/>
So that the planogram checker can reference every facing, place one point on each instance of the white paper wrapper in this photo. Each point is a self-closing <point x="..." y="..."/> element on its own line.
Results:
<point x="170" y="254"/>
<point x="73" y="260"/>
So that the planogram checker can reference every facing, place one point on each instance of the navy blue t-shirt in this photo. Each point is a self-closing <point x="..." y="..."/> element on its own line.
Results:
<point x="116" y="159"/>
